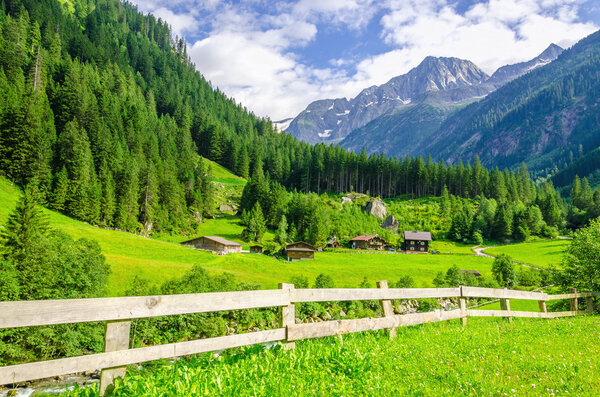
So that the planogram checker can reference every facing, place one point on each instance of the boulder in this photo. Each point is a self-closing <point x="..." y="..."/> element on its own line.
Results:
<point x="376" y="207"/>
<point x="346" y="200"/>
<point x="390" y="223"/>
<point x="226" y="208"/>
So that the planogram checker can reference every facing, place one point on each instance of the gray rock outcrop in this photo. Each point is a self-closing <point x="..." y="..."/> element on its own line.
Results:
<point x="390" y="223"/>
<point x="377" y="208"/>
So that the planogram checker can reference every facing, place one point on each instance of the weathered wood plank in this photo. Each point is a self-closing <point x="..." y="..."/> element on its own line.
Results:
<point x="502" y="313"/>
<point x="116" y="338"/>
<point x="288" y="314"/>
<point x="386" y="306"/>
<point x="563" y="314"/>
<point x="479" y="292"/>
<point x="64" y="366"/>
<point x="66" y="311"/>
<point x="340" y="327"/>
<point x="571" y="296"/>
<point x="359" y="294"/>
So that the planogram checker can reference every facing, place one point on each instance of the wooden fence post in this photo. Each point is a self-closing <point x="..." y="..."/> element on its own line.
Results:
<point x="116" y="338"/>
<point x="288" y="316"/>
<point x="573" y="301"/>
<point x="542" y="305"/>
<point x="589" y="304"/>
<point x="463" y="308"/>
<point x="386" y="305"/>
<point x="505" y="305"/>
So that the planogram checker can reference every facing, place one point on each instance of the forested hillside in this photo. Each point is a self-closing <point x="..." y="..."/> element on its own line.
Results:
<point x="546" y="118"/>
<point x="102" y="111"/>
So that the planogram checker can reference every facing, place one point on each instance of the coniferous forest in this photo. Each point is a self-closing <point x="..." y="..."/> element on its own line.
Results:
<point x="103" y="112"/>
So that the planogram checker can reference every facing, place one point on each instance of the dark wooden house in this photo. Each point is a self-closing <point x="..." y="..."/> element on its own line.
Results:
<point x="214" y="244"/>
<point x="256" y="249"/>
<point x="333" y="243"/>
<point x="368" y="242"/>
<point x="300" y="250"/>
<point x="417" y="242"/>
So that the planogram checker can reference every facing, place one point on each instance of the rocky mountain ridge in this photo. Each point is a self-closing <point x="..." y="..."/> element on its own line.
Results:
<point x="451" y="81"/>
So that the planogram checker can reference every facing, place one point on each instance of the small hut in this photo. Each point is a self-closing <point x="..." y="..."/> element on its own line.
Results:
<point x="368" y="242"/>
<point x="300" y="251"/>
<point x="256" y="249"/>
<point x="214" y="244"/>
<point x="333" y="243"/>
<point x="417" y="242"/>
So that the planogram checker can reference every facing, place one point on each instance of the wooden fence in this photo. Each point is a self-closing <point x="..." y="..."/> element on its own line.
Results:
<point x="118" y="313"/>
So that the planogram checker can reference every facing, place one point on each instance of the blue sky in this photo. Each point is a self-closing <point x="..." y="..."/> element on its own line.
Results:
<point x="275" y="57"/>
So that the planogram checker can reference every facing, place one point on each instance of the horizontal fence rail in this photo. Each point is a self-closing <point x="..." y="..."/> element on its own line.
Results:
<point x="118" y="313"/>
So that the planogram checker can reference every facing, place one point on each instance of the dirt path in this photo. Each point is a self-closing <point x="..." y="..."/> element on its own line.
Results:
<point x="479" y="251"/>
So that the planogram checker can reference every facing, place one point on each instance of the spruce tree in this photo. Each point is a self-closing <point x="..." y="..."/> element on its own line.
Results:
<point x="24" y="224"/>
<point x="281" y="233"/>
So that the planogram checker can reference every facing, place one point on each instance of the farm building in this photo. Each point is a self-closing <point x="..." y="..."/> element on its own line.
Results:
<point x="473" y="272"/>
<point x="333" y="243"/>
<point x="214" y="244"/>
<point x="417" y="242"/>
<point x="300" y="250"/>
<point x="256" y="249"/>
<point x="368" y="242"/>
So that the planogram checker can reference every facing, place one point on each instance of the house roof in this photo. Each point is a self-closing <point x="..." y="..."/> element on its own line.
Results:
<point x="414" y="235"/>
<point x="300" y="249"/>
<point x="364" y="237"/>
<point x="216" y="239"/>
<point x="473" y="272"/>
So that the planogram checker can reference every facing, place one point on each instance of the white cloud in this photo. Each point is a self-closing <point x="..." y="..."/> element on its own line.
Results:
<point x="255" y="57"/>
<point x="180" y="23"/>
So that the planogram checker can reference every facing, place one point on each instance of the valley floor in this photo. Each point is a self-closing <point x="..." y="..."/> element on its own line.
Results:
<point x="162" y="258"/>
<point x="488" y="357"/>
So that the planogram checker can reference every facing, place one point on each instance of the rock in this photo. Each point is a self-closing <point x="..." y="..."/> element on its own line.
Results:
<point x="226" y="208"/>
<point x="390" y="223"/>
<point x="376" y="207"/>
<point x="198" y="216"/>
<point x="350" y="197"/>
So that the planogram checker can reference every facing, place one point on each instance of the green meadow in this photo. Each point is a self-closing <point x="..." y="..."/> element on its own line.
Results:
<point x="158" y="260"/>
<point x="539" y="253"/>
<point x="490" y="357"/>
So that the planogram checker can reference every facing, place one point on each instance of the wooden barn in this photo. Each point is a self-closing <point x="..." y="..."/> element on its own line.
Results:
<point x="416" y="242"/>
<point x="368" y="242"/>
<point x="333" y="243"/>
<point x="299" y="251"/>
<point x="214" y="244"/>
<point x="256" y="249"/>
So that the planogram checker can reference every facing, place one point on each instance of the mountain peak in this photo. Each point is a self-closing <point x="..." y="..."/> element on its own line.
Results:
<point x="552" y="52"/>
<point x="511" y="72"/>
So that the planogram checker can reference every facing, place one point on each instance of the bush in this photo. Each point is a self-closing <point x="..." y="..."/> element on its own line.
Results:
<point x="504" y="271"/>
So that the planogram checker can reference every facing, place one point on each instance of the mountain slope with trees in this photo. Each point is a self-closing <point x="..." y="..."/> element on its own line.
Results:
<point x="545" y="117"/>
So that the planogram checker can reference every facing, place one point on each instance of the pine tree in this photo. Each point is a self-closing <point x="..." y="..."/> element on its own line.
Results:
<point x="243" y="163"/>
<point x="256" y="224"/>
<point x="24" y="224"/>
<point x="281" y="233"/>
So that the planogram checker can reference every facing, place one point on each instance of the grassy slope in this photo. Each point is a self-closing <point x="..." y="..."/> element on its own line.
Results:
<point x="488" y="357"/>
<point x="223" y="175"/>
<point x="539" y="253"/>
<point x="158" y="260"/>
